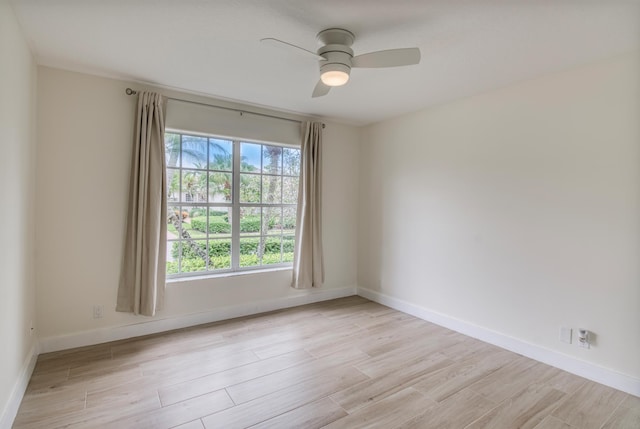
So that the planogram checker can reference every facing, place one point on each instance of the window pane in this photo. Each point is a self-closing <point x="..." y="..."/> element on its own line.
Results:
<point x="273" y="251"/>
<point x="172" y="149"/>
<point x="220" y="187"/>
<point x="194" y="152"/>
<point x="194" y="186"/>
<point x="291" y="161"/>
<point x="250" y="220"/>
<point x="250" y="157"/>
<point x="250" y="188"/>
<point x="287" y="248"/>
<point x="174" y="222"/>
<point x="173" y="256"/>
<point x="220" y="222"/>
<point x="194" y="253"/>
<point x="289" y="219"/>
<point x="273" y="218"/>
<point x="194" y="222"/>
<point x="272" y="159"/>
<point x="220" y="254"/>
<point x="220" y="155"/>
<point x="290" y="190"/>
<point x="271" y="189"/>
<point x="173" y="184"/>
<point x="249" y="251"/>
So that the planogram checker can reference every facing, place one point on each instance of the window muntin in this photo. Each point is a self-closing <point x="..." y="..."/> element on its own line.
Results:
<point x="211" y="182"/>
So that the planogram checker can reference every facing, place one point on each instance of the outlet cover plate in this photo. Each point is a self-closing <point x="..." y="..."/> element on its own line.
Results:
<point x="97" y="311"/>
<point x="565" y="335"/>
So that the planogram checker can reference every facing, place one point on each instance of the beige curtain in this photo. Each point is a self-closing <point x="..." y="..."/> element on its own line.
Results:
<point x="308" y="264"/>
<point x="142" y="277"/>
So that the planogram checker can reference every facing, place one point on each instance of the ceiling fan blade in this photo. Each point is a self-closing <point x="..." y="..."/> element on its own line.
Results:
<point x="320" y="89"/>
<point x="291" y="47"/>
<point x="388" y="58"/>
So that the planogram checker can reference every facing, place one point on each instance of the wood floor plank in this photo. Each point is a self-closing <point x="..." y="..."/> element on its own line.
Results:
<point x="389" y="412"/>
<point x="626" y="416"/>
<point x="525" y="410"/>
<point x="388" y="338"/>
<point x="551" y="422"/>
<point x="196" y="424"/>
<point x="308" y="337"/>
<point x="176" y="414"/>
<point x="209" y="383"/>
<point x="631" y="402"/>
<point x="97" y="417"/>
<point x="333" y="343"/>
<point x="375" y="389"/>
<point x="310" y="416"/>
<point x="284" y="400"/>
<point x="52" y="394"/>
<point x="465" y="348"/>
<point x="252" y="389"/>
<point x="590" y="406"/>
<point x="42" y="416"/>
<point x="454" y="378"/>
<point x="564" y="381"/>
<point x="46" y="378"/>
<point x="401" y="356"/>
<point x="455" y="412"/>
<point x="507" y="381"/>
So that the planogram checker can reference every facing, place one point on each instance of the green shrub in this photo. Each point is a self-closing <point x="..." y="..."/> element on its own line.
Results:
<point x="220" y="253"/>
<point x="219" y="248"/>
<point x="217" y="225"/>
<point x="220" y="224"/>
<point x="250" y="224"/>
<point x="199" y="223"/>
<point x="198" y="211"/>
<point x="272" y="245"/>
<point x="224" y="262"/>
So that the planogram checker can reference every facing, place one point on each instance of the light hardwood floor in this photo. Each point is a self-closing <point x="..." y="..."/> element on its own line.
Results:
<point x="347" y="363"/>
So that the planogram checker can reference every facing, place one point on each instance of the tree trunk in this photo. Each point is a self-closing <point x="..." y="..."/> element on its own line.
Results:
<point x="275" y="153"/>
<point x="187" y="240"/>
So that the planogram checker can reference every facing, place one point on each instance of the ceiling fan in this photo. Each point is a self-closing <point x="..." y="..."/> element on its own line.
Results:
<point x="336" y="59"/>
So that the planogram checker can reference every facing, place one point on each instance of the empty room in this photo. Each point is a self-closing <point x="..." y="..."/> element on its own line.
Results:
<point x="309" y="214"/>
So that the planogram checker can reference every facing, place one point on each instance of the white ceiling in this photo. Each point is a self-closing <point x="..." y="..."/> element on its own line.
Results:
<point x="212" y="46"/>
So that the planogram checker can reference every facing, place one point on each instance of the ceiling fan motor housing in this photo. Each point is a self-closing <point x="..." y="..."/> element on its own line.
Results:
<point x="336" y="56"/>
<point x="335" y="48"/>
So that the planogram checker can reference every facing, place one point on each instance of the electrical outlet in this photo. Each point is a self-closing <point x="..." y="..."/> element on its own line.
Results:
<point x="583" y="339"/>
<point x="565" y="334"/>
<point x="97" y="311"/>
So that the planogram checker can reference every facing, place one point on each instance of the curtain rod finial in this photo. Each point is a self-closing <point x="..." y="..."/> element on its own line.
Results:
<point x="130" y="91"/>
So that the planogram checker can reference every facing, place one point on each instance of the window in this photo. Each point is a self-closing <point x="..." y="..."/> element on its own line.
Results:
<point x="231" y="204"/>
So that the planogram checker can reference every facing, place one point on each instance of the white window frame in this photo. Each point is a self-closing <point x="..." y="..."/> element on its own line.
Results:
<point x="235" y="206"/>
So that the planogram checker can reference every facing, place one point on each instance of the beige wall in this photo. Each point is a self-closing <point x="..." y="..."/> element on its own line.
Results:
<point x="516" y="210"/>
<point x="85" y="126"/>
<point x="17" y="206"/>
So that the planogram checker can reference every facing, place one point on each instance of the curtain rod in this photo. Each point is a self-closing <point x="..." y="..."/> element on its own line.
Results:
<point x="130" y="91"/>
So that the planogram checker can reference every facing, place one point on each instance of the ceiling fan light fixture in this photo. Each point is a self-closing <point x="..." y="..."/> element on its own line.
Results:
<point x="334" y="74"/>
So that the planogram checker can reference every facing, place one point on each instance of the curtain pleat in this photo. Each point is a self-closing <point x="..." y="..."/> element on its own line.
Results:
<point x="308" y="263"/>
<point x="142" y="277"/>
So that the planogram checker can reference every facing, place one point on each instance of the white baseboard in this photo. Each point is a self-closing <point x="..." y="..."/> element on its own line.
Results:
<point x="556" y="359"/>
<point x="11" y="407"/>
<point x="153" y="326"/>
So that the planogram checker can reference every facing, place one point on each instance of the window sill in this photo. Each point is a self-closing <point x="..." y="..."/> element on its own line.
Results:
<point x="224" y="275"/>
